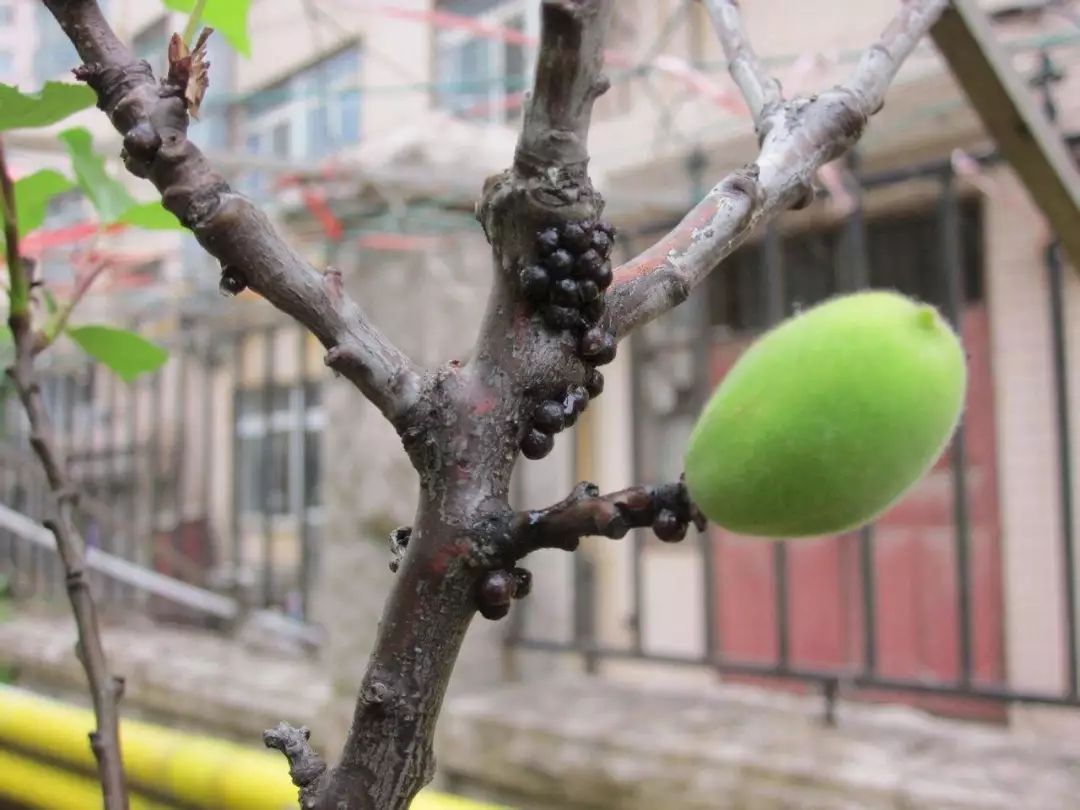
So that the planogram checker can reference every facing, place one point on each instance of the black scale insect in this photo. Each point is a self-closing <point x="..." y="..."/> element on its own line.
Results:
<point x="566" y="287"/>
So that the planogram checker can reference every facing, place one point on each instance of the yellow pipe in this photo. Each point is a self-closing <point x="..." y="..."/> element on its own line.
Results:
<point x="200" y="771"/>
<point x="38" y="786"/>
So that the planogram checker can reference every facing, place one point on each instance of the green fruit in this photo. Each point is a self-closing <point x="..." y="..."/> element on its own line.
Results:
<point x="827" y="419"/>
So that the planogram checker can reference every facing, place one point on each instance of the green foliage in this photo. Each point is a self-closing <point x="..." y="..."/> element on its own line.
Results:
<point x="54" y="102"/>
<point x="108" y="196"/>
<point x="152" y="216"/>
<point x="32" y="195"/>
<point x="228" y="17"/>
<point x="829" y="418"/>
<point x="127" y="354"/>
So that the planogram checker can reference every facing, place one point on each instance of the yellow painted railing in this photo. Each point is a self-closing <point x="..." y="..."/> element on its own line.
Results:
<point x="42" y="741"/>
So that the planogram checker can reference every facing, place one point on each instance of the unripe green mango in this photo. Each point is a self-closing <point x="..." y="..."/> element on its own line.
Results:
<point x="828" y="418"/>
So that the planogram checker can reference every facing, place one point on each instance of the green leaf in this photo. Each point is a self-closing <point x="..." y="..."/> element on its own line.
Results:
<point x="32" y="195"/>
<point x="153" y="216"/>
<point x="228" y="17"/>
<point x="126" y="353"/>
<point x="53" y="102"/>
<point x="108" y="195"/>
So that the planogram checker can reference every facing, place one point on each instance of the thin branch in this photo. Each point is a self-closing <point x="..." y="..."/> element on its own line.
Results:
<point x="761" y="91"/>
<point x="798" y="138"/>
<point x="153" y="119"/>
<point x="585" y="512"/>
<point x="105" y="689"/>
<point x="83" y="283"/>
<point x="880" y="62"/>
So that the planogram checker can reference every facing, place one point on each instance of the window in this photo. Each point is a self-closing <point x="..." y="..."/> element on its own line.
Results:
<point x="279" y="431"/>
<point x="152" y="44"/>
<point x="7" y="64"/>
<point x="482" y="76"/>
<point x="54" y="55"/>
<point x="312" y="114"/>
<point x="7" y="13"/>
<point x="903" y="254"/>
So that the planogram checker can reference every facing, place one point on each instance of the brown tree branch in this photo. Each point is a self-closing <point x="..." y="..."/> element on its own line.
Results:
<point x="761" y="91"/>
<point x="585" y="512"/>
<point x="569" y="78"/>
<point x="153" y="119"/>
<point x="798" y="137"/>
<point x="105" y="689"/>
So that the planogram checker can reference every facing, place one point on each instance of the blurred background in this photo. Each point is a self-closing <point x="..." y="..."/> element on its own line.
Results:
<point x="244" y="470"/>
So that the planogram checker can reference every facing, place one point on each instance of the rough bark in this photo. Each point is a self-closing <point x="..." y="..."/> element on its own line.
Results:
<point x="105" y="688"/>
<point x="463" y="425"/>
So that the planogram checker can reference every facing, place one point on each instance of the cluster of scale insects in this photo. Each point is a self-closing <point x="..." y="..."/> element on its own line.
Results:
<point x="566" y="287"/>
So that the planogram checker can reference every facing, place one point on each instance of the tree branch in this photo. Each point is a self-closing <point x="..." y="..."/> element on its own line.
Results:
<point x="105" y="689"/>
<point x="761" y="91"/>
<point x="153" y="119"/>
<point x="555" y="130"/>
<point x="798" y="137"/>
<point x="584" y="512"/>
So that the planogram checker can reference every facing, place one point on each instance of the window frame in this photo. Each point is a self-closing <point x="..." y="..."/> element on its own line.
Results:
<point x="497" y="92"/>
<point x="301" y="98"/>
<point x="299" y="418"/>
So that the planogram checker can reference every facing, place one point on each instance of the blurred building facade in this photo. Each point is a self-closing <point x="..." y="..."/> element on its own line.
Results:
<point x="367" y="129"/>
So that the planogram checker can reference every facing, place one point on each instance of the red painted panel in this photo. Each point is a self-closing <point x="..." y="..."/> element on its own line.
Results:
<point x="915" y="564"/>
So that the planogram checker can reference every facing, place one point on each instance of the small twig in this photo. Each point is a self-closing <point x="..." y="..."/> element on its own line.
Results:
<point x="105" y="689"/>
<point x="47" y="336"/>
<point x="584" y="512"/>
<point x="305" y="766"/>
<point x="761" y="91"/>
<point x="880" y="62"/>
<point x="798" y="138"/>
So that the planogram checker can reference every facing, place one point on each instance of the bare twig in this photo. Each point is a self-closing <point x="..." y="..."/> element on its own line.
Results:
<point x="586" y="512"/>
<point x="105" y="689"/>
<point x="798" y="138"/>
<point x="55" y="328"/>
<point x="880" y="62"/>
<point x="761" y="91"/>
<point x="153" y="119"/>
